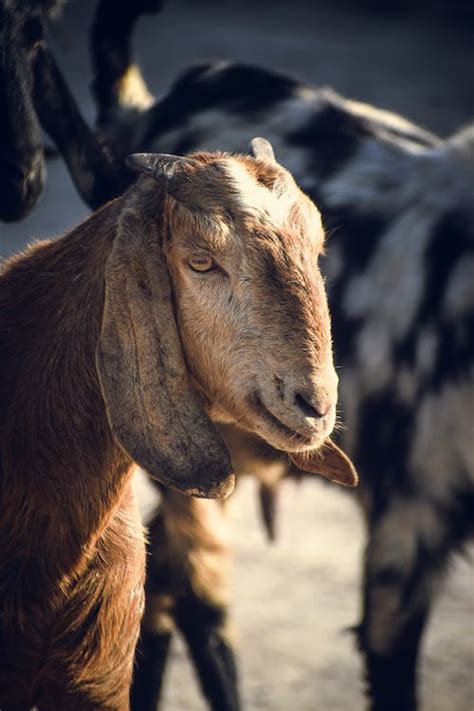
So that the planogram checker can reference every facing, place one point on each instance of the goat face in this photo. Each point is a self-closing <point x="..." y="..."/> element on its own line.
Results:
<point x="213" y="274"/>
<point x="250" y="300"/>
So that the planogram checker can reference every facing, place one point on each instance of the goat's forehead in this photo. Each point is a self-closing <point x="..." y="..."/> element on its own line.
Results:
<point x="241" y="200"/>
<point x="276" y="204"/>
<point x="249" y="196"/>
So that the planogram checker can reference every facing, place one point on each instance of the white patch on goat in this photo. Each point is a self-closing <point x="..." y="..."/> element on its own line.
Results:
<point x="253" y="197"/>
<point x="387" y="295"/>
<point x="460" y="291"/>
<point x="386" y="118"/>
<point x="408" y="379"/>
<point x="442" y="454"/>
<point x="387" y="177"/>
<point x="406" y="386"/>
<point x="218" y="130"/>
<point x="392" y="284"/>
<point x="379" y="179"/>
<point x="426" y="349"/>
<point x="373" y="351"/>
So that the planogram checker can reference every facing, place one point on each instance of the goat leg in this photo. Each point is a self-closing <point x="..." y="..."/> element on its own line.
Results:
<point x="157" y="625"/>
<point x="202" y="625"/>
<point x="186" y="588"/>
<point x="391" y="677"/>
<point x="402" y="566"/>
<point x="151" y="656"/>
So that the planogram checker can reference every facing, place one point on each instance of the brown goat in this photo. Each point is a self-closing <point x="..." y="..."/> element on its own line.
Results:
<point x="94" y="377"/>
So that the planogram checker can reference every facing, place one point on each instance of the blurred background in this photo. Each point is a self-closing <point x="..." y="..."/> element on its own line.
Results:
<point x="294" y="599"/>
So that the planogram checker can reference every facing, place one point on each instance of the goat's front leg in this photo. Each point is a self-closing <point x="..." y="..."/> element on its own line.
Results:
<point x="201" y="611"/>
<point x="405" y="556"/>
<point x="187" y="580"/>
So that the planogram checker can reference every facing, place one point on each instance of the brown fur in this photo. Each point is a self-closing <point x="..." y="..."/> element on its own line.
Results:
<point x="154" y="413"/>
<point x="71" y="561"/>
<point x="192" y="550"/>
<point x="95" y="375"/>
<point x="264" y="310"/>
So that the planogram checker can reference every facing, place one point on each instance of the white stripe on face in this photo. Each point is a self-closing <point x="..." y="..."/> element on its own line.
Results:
<point x="255" y="198"/>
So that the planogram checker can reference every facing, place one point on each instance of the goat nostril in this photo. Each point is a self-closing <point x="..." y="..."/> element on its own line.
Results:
<point x="309" y="409"/>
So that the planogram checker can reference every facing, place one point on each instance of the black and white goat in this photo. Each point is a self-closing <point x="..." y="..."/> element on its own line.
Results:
<point x="400" y="270"/>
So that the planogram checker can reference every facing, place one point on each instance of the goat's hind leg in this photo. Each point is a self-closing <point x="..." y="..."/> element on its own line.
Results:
<point x="186" y="588"/>
<point x="405" y="558"/>
<point x="201" y="611"/>
<point x="203" y="625"/>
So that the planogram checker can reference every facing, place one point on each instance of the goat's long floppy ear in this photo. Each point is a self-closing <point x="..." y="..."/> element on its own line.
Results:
<point x="329" y="461"/>
<point x="153" y="411"/>
<point x="262" y="149"/>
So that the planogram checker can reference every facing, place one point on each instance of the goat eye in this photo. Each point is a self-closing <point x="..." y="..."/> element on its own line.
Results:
<point x="202" y="263"/>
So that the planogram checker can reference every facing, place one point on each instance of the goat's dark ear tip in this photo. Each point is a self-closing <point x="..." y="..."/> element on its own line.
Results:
<point x="215" y="490"/>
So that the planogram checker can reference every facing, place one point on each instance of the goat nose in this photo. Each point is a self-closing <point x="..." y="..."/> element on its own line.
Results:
<point x="311" y="406"/>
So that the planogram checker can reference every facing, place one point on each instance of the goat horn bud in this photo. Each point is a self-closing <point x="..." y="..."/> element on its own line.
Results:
<point x="159" y="165"/>
<point x="262" y="149"/>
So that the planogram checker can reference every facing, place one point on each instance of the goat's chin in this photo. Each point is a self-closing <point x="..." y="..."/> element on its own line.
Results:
<point x="295" y="442"/>
<point x="261" y="422"/>
<point x="289" y="434"/>
<point x="274" y="432"/>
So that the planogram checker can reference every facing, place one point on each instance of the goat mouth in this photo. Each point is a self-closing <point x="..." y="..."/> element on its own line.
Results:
<point x="289" y="434"/>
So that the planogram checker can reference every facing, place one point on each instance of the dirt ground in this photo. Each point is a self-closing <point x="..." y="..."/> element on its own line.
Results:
<point x="293" y="600"/>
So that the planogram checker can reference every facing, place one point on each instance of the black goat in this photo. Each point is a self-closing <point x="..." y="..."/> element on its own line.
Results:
<point x="22" y="168"/>
<point x="35" y="96"/>
<point x="400" y="271"/>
